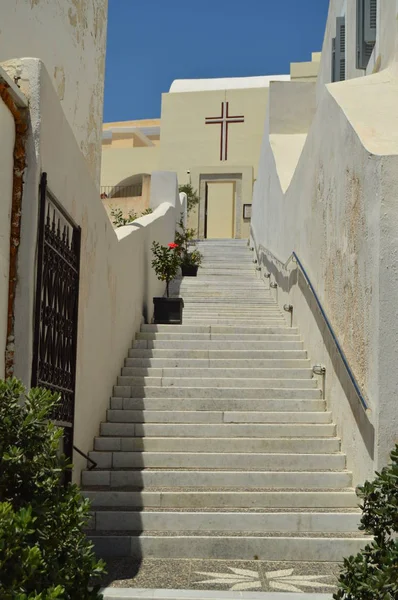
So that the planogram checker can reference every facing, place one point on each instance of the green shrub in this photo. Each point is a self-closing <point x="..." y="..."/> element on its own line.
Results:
<point x="373" y="573"/>
<point x="184" y="238"/>
<point x="192" y="195"/>
<point x="119" y="220"/>
<point x="44" y="553"/>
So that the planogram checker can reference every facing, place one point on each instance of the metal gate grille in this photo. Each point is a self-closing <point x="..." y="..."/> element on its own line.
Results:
<point x="57" y="296"/>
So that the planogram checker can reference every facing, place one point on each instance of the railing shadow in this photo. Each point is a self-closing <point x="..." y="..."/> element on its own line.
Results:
<point x="286" y="280"/>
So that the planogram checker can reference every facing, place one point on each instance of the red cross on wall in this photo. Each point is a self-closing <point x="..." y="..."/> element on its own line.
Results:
<point x="225" y="120"/>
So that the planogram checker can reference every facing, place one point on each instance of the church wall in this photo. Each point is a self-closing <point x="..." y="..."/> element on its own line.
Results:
<point x="192" y="148"/>
<point x="116" y="284"/>
<point x="7" y="128"/>
<point x="340" y="215"/>
<point x="60" y="33"/>
<point x="187" y="142"/>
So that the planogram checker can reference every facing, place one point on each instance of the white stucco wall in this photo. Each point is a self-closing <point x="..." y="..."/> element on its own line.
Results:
<point x="69" y="36"/>
<point x="7" y="129"/>
<point x="340" y="214"/>
<point x="117" y="283"/>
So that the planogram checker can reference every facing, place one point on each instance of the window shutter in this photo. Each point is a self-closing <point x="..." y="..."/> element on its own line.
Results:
<point x="366" y="31"/>
<point x="333" y="60"/>
<point x="370" y="21"/>
<point x="340" y="50"/>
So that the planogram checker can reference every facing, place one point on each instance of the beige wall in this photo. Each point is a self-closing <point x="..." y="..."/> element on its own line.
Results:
<point x="7" y="128"/>
<point x="117" y="283"/>
<point x="187" y="142"/>
<point x="125" y="139"/>
<point x="304" y="71"/>
<point x="118" y="164"/>
<point x="60" y="33"/>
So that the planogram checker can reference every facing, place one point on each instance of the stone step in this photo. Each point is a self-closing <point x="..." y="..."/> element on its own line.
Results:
<point x="249" y="318"/>
<point x="187" y="329"/>
<point x="112" y="593"/>
<point x="258" y="315"/>
<point x="217" y="382"/>
<point x="126" y="391"/>
<point x="223" y="499"/>
<point x="226" y="301"/>
<point x="244" y="306"/>
<point x="228" y="283"/>
<point x="146" y="521"/>
<point x="222" y="404"/>
<point x="216" y="329"/>
<point x="208" y="295"/>
<point x="186" y="416"/>
<point x="228" y="288"/>
<point x="213" y="313"/>
<point x="246" y="271"/>
<point x="240" y="547"/>
<point x="227" y="337"/>
<point x="278" y="321"/>
<point x="225" y="460"/>
<point x="203" y="363"/>
<point x="252" y="430"/>
<point x="217" y="345"/>
<point x="241" y="445"/>
<point x="223" y="307"/>
<point x="226" y="257"/>
<point x="195" y="373"/>
<point x="225" y="479"/>
<point x="217" y="354"/>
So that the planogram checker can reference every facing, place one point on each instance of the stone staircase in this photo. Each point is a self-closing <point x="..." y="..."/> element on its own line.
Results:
<point x="218" y="443"/>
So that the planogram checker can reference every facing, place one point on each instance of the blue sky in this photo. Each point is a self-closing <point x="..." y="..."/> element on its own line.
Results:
<point x="153" y="42"/>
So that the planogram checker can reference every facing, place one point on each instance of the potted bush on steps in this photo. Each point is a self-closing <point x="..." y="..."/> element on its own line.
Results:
<point x="190" y="261"/>
<point x="166" y="263"/>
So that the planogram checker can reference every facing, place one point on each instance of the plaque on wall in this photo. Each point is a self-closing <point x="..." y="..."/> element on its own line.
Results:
<point x="247" y="211"/>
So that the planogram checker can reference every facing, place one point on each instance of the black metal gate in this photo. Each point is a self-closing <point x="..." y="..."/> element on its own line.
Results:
<point x="56" y="308"/>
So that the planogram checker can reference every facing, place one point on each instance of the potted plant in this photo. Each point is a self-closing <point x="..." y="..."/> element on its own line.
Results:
<point x="190" y="261"/>
<point x="166" y="263"/>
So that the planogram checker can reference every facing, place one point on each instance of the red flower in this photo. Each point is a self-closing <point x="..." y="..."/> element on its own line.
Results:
<point x="173" y="245"/>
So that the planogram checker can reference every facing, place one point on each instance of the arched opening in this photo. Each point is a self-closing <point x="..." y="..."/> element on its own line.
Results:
<point x="131" y="195"/>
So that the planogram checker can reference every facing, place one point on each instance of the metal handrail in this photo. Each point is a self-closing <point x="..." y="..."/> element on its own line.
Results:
<point x="115" y="192"/>
<point x="93" y="463"/>
<point x="295" y="258"/>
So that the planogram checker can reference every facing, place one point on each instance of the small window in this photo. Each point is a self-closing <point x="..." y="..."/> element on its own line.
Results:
<point x="366" y="31"/>
<point x="338" y="51"/>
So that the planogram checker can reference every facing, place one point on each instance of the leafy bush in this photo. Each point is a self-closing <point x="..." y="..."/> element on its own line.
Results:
<point x="192" y="195"/>
<point x="119" y="220"/>
<point x="166" y="262"/>
<point x="184" y="238"/>
<point x="44" y="553"/>
<point x="373" y="573"/>
<point x="147" y="211"/>
<point x="192" y="259"/>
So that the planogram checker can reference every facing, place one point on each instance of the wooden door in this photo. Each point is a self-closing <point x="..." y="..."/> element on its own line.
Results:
<point x="220" y="210"/>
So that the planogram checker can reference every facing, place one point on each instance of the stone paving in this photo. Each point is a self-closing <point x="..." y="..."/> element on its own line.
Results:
<point x="298" y="577"/>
